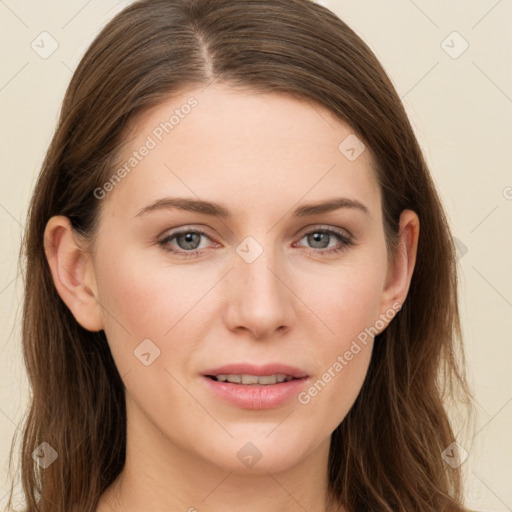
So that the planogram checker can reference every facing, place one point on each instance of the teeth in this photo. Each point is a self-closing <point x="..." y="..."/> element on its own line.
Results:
<point x="250" y="379"/>
<point x="254" y="379"/>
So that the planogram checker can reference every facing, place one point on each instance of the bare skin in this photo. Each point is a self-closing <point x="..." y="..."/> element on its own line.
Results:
<point x="261" y="156"/>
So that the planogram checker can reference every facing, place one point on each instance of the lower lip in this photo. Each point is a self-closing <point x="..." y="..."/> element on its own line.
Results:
<point x="252" y="396"/>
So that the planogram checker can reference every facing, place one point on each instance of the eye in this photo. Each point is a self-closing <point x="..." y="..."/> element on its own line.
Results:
<point x="187" y="240"/>
<point x="321" y="238"/>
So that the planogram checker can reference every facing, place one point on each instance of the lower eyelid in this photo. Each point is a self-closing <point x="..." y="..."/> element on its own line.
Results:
<point x="344" y="241"/>
<point x="172" y="236"/>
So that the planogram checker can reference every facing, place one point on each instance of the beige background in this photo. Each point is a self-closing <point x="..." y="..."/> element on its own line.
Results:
<point x="461" y="109"/>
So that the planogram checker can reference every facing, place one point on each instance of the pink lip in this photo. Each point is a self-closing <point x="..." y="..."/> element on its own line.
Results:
<point x="255" y="396"/>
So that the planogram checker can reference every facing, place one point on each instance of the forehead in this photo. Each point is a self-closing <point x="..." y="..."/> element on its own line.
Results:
<point x="242" y="148"/>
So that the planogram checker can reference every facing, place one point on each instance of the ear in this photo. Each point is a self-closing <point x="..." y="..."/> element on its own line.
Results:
<point x="400" y="270"/>
<point x="72" y="272"/>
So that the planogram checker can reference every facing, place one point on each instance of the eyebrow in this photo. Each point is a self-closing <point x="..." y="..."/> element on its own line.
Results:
<point x="219" y="210"/>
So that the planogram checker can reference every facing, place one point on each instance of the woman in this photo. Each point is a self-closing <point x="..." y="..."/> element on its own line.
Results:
<point x="241" y="285"/>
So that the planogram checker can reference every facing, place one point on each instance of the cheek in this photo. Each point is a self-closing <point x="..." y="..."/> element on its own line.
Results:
<point x="347" y="303"/>
<point x="344" y="355"/>
<point x="140" y="302"/>
<point x="346" y="300"/>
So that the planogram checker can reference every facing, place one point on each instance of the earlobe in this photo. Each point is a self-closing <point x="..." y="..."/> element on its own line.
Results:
<point x="400" y="270"/>
<point x="72" y="272"/>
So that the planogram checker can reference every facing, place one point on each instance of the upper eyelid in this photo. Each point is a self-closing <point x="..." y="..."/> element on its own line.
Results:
<point x="326" y="227"/>
<point x="179" y="231"/>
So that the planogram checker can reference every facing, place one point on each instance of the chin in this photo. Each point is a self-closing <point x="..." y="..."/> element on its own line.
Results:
<point x="261" y="452"/>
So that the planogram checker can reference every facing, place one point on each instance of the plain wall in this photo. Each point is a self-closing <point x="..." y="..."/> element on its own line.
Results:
<point x="460" y="107"/>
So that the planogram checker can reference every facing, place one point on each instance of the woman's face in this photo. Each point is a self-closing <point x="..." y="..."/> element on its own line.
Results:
<point x="245" y="273"/>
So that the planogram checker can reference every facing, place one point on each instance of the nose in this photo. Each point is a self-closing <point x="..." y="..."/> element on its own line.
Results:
<point x="260" y="297"/>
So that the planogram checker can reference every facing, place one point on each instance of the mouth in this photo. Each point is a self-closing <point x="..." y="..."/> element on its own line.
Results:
<point x="255" y="387"/>
<point x="252" y="380"/>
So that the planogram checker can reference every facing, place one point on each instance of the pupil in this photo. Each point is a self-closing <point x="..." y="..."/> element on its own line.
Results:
<point x="189" y="239"/>
<point x="317" y="237"/>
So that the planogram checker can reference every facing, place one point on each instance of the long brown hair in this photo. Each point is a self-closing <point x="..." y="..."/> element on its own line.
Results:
<point x="386" y="454"/>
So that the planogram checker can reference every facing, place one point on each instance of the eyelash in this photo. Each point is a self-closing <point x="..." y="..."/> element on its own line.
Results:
<point x="344" y="239"/>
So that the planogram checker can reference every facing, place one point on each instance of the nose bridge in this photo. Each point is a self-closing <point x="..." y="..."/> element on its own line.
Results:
<point x="261" y="302"/>
<point x="257" y="268"/>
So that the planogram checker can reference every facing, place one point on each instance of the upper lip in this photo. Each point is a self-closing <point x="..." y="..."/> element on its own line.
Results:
<point x="261" y="370"/>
